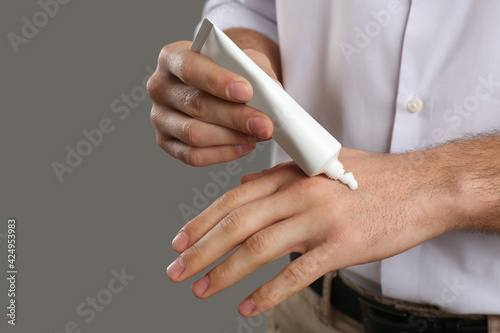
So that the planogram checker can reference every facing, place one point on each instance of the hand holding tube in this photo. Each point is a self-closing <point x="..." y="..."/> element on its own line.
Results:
<point x="310" y="145"/>
<point x="198" y="109"/>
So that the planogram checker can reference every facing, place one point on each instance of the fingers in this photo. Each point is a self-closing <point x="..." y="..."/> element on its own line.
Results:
<point x="263" y="62"/>
<point x="231" y="200"/>
<point x="263" y="216"/>
<point x="208" y="108"/>
<point x="233" y="230"/>
<point x="195" y="229"/>
<point x="204" y="156"/>
<point x="261" y="248"/>
<point x="200" y="72"/>
<point x="251" y="176"/>
<point x="220" y="208"/>
<point x="194" y="108"/>
<point x="187" y="86"/>
<point x="296" y="276"/>
<point x="170" y="124"/>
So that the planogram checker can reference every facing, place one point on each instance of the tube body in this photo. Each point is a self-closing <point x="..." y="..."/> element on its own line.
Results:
<point x="312" y="147"/>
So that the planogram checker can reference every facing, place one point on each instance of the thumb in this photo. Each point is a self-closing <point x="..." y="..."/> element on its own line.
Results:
<point x="263" y="62"/>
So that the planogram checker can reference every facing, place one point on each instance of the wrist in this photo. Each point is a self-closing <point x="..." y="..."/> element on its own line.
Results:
<point x="459" y="191"/>
<point x="428" y="185"/>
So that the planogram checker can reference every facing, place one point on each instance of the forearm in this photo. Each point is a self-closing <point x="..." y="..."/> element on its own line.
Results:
<point x="466" y="177"/>
<point x="251" y="39"/>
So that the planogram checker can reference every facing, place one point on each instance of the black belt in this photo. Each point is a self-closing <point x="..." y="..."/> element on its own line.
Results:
<point x="380" y="318"/>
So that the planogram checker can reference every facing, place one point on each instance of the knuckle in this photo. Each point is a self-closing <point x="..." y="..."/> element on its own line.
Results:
<point x="193" y="256"/>
<point x="294" y="276"/>
<point x="191" y="156"/>
<point x="256" y="55"/>
<point x="232" y="223"/>
<point x="155" y="116"/>
<point x="218" y="82"/>
<point x="221" y="274"/>
<point x="228" y="200"/>
<point x="167" y="49"/>
<point x="301" y="247"/>
<point x="185" y="68"/>
<point x="261" y="60"/>
<point x="192" y="132"/>
<point x="237" y="118"/>
<point x="163" y="57"/>
<point x="268" y="296"/>
<point x="161" y="142"/>
<point x="169" y="147"/>
<point x="195" y="103"/>
<point x="155" y="87"/>
<point x="256" y="244"/>
<point x="167" y="53"/>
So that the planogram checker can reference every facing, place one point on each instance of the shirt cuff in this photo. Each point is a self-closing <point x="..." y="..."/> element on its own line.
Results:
<point x="231" y="14"/>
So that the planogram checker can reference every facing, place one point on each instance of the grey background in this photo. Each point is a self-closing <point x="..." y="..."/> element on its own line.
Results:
<point x="119" y="207"/>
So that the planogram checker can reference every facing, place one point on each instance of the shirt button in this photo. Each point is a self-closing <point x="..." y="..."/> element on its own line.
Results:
<point x="414" y="105"/>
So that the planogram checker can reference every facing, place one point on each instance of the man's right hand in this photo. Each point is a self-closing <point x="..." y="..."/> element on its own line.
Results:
<point x="198" y="107"/>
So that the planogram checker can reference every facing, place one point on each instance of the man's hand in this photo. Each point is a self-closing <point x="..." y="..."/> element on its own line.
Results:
<point x="402" y="201"/>
<point x="198" y="109"/>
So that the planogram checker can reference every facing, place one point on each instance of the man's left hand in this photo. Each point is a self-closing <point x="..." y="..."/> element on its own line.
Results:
<point x="397" y="206"/>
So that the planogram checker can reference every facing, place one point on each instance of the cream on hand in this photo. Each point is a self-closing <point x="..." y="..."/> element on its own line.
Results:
<point x="311" y="146"/>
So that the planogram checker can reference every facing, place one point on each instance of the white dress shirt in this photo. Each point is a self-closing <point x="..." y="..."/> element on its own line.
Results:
<point x="392" y="76"/>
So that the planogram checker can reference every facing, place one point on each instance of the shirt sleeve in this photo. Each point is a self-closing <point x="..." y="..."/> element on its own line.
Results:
<point x="259" y="15"/>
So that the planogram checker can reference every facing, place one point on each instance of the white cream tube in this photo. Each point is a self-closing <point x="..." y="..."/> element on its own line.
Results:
<point x="311" y="146"/>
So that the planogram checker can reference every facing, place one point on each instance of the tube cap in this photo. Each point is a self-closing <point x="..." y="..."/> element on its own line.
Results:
<point x="335" y="170"/>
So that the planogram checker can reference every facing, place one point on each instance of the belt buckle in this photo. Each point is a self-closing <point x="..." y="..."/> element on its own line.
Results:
<point x="382" y="319"/>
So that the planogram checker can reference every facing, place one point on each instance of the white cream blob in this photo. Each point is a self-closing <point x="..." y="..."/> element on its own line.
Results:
<point x="335" y="170"/>
<point x="348" y="179"/>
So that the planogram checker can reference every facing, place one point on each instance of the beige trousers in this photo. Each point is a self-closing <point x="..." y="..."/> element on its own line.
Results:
<point x="307" y="312"/>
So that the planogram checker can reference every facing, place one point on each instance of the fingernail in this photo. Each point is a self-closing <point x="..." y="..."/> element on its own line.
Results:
<point x="246" y="148"/>
<point x="176" y="268"/>
<point x="180" y="242"/>
<point x="258" y="126"/>
<point x="238" y="91"/>
<point x="200" y="286"/>
<point x="247" y="307"/>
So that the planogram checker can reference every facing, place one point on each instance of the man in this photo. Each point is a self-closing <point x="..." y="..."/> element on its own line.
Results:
<point x="413" y="89"/>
